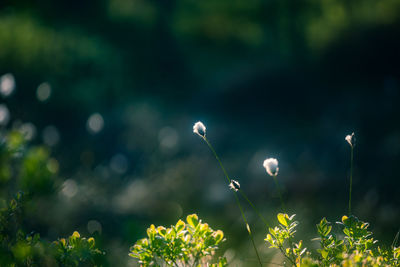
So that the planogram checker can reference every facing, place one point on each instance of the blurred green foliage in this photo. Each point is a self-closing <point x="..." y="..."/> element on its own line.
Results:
<point x="77" y="251"/>
<point x="28" y="174"/>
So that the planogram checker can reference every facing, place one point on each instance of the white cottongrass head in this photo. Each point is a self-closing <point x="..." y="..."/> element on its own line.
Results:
<point x="271" y="166"/>
<point x="200" y="129"/>
<point x="351" y="139"/>
<point x="234" y="185"/>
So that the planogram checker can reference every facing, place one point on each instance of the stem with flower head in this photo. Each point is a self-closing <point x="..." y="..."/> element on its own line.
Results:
<point x="236" y="197"/>
<point x="279" y="193"/>
<point x="351" y="177"/>
<point x="229" y="180"/>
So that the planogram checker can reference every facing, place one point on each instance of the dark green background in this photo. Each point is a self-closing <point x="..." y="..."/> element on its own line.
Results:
<point x="280" y="78"/>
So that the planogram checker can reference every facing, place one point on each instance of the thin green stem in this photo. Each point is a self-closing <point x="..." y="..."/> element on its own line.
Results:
<point x="395" y="239"/>
<point x="285" y="255"/>
<point x="351" y="178"/>
<point x="219" y="161"/>
<point x="279" y="193"/>
<point x="236" y="197"/>
<point x="247" y="227"/>
<point x="229" y="180"/>
<point x="254" y="208"/>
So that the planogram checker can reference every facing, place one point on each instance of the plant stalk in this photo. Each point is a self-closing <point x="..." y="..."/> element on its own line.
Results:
<point x="279" y="193"/>
<point x="254" y="208"/>
<point x="236" y="197"/>
<point x="351" y="177"/>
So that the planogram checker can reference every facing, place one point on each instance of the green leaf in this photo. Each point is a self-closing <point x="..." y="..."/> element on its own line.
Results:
<point x="161" y="230"/>
<point x="151" y="232"/>
<point x="192" y="220"/>
<point x="91" y="242"/>
<point x="218" y="235"/>
<point x="76" y="235"/>
<point x="13" y="204"/>
<point x="283" y="219"/>
<point x="180" y="225"/>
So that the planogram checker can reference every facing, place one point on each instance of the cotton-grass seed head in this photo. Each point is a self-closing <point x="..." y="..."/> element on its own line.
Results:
<point x="234" y="185"/>
<point x="200" y="129"/>
<point x="271" y="166"/>
<point x="351" y="139"/>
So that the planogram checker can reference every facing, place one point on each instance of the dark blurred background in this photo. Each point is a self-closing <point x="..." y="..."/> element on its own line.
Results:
<point x="115" y="86"/>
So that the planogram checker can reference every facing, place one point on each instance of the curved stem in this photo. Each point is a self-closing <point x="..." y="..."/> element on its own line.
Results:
<point x="248" y="227"/>
<point x="236" y="197"/>
<point x="351" y="178"/>
<point x="286" y="256"/>
<point x="216" y="156"/>
<point x="254" y="208"/>
<point x="279" y="193"/>
<point x="395" y="239"/>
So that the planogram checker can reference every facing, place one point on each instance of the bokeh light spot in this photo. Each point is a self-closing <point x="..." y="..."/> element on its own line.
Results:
<point x="43" y="91"/>
<point x="28" y="130"/>
<point x="69" y="188"/>
<point x="95" y="123"/>
<point x="50" y="135"/>
<point x="119" y="164"/>
<point x="168" y="137"/>
<point x="7" y="84"/>
<point x="4" y="114"/>
<point x="52" y="165"/>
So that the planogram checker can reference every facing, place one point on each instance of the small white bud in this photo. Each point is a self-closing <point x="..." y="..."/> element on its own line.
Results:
<point x="234" y="185"/>
<point x="351" y="139"/>
<point x="200" y="129"/>
<point x="271" y="166"/>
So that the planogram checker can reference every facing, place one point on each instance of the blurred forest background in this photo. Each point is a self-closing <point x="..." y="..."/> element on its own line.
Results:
<point x="113" y="88"/>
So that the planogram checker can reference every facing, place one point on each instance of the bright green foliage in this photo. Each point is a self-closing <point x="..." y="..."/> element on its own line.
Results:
<point x="357" y="248"/>
<point x="184" y="244"/>
<point x="77" y="251"/>
<point x="282" y="238"/>
<point x="357" y="236"/>
<point x="331" y="247"/>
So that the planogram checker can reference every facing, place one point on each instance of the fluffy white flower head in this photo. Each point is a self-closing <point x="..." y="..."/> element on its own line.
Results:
<point x="351" y="139"/>
<point x="234" y="185"/>
<point x="200" y="129"/>
<point x="271" y="166"/>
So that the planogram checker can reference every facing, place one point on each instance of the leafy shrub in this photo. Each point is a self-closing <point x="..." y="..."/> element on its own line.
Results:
<point x="355" y="248"/>
<point x="282" y="237"/>
<point x="184" y="244"/>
